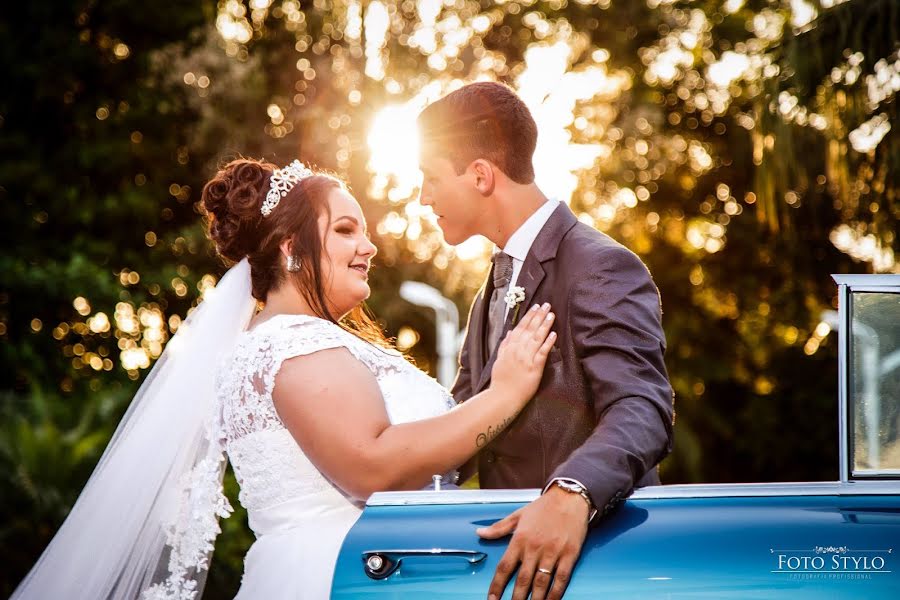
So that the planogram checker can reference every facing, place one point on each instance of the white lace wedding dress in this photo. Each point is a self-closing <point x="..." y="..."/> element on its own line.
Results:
<point x="299" y="517"/>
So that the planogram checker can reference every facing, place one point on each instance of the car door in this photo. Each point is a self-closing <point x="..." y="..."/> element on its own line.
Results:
<point x="836" y="539"/>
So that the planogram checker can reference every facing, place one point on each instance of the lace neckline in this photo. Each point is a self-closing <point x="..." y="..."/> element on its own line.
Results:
<point x="280" y="316"/>
<point x="301" y="318"/>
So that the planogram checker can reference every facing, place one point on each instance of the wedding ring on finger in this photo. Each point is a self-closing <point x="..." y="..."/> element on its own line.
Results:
<point x="545" y="571"/>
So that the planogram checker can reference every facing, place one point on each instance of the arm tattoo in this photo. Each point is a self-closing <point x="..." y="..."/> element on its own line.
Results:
<point x="484" y="438"/>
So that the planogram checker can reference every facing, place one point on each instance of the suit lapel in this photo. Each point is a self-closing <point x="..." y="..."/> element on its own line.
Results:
<point x="542" y="251"/>
<point x="530" y="278"/>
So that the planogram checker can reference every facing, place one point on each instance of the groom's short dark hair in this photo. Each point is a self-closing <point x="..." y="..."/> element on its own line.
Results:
<point x="481" y="120"/>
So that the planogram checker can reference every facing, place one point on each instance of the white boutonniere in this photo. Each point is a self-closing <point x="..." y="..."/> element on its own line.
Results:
<point x="514" y="297"/>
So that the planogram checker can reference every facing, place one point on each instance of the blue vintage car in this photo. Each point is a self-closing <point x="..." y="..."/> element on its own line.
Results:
<point x="836" y="539"/>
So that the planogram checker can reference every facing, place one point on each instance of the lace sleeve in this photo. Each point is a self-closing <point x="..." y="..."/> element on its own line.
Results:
<point x="306" y="336"/>
<point x="311" y="335"/>
<point x="248" y="380"/>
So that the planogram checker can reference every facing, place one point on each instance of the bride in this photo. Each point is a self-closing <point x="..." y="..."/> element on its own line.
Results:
<point x="312" y="406"/>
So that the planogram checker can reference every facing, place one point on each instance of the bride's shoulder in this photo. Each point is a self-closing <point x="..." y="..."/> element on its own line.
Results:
<point x="285" y="336"/>
<point x="292" y="326"/>
<point x="301" y="334"/>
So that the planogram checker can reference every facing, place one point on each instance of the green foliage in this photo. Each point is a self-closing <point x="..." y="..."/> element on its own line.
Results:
<point x="43" y="466"/>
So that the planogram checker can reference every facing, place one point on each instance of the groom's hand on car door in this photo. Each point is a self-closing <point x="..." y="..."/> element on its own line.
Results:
<point x="547" y="537"/>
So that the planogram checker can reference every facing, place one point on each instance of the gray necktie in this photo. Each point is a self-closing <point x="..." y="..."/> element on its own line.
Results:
<point x="502" y="273"/>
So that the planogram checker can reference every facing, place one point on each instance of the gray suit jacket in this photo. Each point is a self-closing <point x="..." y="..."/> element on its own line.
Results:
<point x="603" y="413"/>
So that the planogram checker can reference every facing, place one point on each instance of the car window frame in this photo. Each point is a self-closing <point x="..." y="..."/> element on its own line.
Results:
<point x="847" y="286"/>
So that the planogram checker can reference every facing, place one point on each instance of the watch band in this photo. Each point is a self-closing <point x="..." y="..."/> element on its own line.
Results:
<point x="575" y="487"/>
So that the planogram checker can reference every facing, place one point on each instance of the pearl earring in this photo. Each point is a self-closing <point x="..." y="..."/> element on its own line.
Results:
<point x="293" y="264"/>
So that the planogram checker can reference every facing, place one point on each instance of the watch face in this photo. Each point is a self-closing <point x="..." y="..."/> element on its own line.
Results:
<point x="569" y="486"/>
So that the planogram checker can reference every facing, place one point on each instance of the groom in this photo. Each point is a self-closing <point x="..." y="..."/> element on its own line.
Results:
<point x="602" y="418"/>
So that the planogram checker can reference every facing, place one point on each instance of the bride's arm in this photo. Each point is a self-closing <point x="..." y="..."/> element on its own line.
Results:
<point x="331" y="404"/>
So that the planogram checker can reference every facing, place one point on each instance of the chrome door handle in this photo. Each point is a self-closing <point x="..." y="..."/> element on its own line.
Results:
<point x="379" y="564"/>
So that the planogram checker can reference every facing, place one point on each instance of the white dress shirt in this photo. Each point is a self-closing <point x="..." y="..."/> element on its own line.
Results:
<point x="520" y="241"/>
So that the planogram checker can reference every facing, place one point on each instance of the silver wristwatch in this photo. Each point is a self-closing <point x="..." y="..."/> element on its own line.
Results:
<point x="574" y="487"/>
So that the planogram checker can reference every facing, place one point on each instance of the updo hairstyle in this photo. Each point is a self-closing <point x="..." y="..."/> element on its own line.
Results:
<point x="232" y="200"/>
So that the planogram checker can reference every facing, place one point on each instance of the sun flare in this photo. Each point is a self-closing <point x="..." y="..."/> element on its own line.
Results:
<point x="394" y="151"/>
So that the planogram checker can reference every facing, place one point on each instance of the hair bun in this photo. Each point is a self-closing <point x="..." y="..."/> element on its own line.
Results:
<point x="232" y="200"/>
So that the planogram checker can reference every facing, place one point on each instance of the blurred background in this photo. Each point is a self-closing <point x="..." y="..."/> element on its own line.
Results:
<point x="744" y="149"/>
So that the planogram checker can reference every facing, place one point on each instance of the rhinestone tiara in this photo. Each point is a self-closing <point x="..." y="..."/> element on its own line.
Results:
<point x="281" y="182"/>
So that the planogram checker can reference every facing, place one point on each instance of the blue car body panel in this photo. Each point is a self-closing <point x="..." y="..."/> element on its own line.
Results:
<point x="800" y="541"/>
<point x="716" y="547"/>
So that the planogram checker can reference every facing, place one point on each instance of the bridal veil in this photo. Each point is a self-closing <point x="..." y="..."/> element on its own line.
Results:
<point x="146" y="521"/>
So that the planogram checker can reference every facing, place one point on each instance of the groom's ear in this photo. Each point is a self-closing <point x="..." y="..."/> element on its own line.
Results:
<point x="484" y="176"/>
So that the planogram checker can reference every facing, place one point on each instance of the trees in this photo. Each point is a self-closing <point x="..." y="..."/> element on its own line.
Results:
<point x="94" y="184"/>
<point x="791" y="195"/>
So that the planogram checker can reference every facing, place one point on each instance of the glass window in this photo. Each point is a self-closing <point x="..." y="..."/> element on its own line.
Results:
<point x="874" y="383"/>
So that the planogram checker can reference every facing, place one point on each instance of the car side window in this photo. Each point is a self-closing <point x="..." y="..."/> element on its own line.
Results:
<point x="874" y="382"/>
